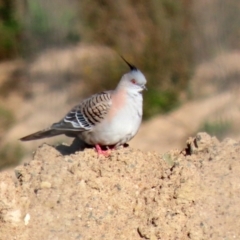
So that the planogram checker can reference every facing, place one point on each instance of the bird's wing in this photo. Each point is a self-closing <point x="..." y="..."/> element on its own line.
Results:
<point x="87" y="114"/>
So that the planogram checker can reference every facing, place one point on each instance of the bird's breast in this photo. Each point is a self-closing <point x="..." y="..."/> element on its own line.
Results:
<point x="121" y="123"/>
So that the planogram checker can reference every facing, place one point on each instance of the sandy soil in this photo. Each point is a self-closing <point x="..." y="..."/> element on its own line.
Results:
<point x="188" y="194"/>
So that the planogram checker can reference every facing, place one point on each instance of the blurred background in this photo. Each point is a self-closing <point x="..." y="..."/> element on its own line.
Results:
<point x="53" y="53"/>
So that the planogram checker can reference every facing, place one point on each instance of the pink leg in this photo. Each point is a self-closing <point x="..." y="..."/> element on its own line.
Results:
<point x="106" y="153"/>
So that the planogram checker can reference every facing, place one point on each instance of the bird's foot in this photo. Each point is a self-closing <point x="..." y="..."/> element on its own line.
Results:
<point x="100" y="151"/>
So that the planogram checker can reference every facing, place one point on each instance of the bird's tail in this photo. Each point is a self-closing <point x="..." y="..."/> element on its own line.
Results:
<point x="46" y="133"/>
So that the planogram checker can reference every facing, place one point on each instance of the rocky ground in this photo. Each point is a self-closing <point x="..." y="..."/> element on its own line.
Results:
<point x="188" y="194"/>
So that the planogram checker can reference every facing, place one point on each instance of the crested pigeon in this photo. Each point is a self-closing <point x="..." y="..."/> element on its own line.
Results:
<point x="107" y="119"/>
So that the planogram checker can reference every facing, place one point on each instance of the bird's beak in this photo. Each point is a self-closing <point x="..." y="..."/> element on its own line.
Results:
<point x="143" y="88"/>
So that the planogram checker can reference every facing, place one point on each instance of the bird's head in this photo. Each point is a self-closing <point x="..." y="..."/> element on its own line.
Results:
<point x="133" y="80"/>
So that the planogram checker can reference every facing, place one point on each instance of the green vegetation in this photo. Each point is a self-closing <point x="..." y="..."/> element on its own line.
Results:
<point x="9" y="30"/>
<point x="218" y="128"/>
<point x="10" y="155"/>
<point x="44" y="26"/>
<point x="159" y="102"/>
<point x="6" y="119"/>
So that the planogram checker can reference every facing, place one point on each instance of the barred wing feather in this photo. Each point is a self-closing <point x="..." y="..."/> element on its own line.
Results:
<point x="90" y="112"/>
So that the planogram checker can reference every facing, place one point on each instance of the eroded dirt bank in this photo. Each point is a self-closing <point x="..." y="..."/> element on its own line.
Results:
<point x="193" y="194"/>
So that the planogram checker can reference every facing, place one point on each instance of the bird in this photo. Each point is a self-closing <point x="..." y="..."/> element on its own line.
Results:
<point x="106" y="120"/>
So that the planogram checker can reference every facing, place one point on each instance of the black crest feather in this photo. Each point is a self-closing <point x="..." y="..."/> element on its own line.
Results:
<point x="132" y="67"/>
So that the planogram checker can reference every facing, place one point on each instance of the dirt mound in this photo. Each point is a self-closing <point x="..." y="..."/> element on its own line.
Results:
<point x="193" y="194"/>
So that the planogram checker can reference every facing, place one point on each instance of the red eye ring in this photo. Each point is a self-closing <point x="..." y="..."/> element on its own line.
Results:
<point x="133" y="81"/>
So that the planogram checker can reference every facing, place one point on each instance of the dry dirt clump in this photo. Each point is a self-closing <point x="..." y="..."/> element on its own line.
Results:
<point x="193" y="194"/>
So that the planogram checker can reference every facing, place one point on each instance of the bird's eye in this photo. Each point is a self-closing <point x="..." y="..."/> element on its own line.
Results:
<point x="133" y="81"/>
